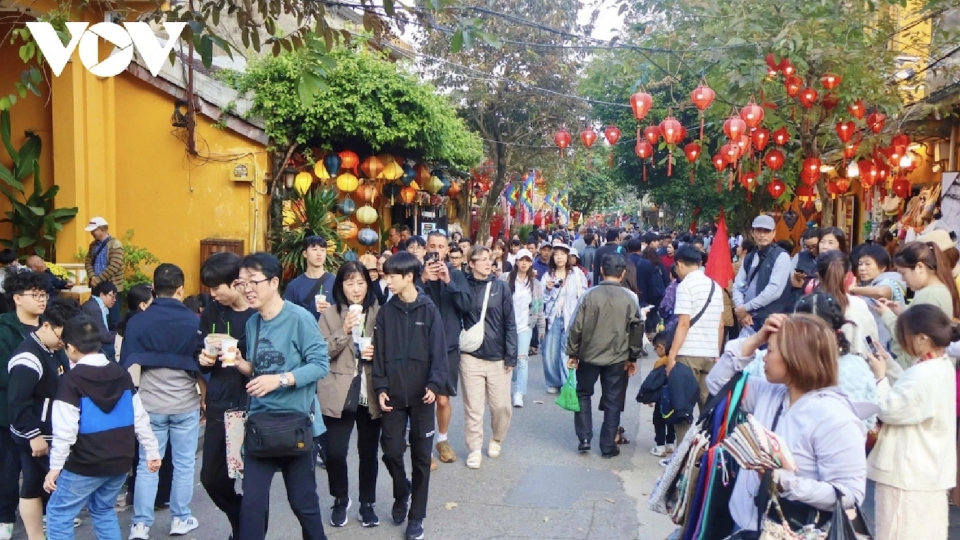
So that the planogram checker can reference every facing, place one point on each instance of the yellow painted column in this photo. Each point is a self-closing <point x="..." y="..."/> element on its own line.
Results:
<point x="84" y="146"/>
<point x="913" y="43"/>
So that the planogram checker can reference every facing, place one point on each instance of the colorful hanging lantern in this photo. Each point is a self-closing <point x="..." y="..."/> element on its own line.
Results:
<point x="749" y="181"/>
<point x="774" y="159"/>
<point x="793" y="85"/>
<point x="702" y="97"/>
<point x="875" y="121"/>
<point x="347" y="182"/>
<point x="868" y="173"/>
<point x="759" y="138"/>
<point x="692" y="152"/>
<point x="719" y="162"/>
<point x="368" y="237"/>
<point x="743" y="145"/>
<point x="787" y="68"/>
<point x="902" y="188"/>
<point x="644" y="150"/>
<point x="850" y="150"/>
<point x="302" y="182"/>
<point x="845" y="130"/>
<point x="781" y="136"/>
<point x="776" y="188"/>
<point x="611" y="134"/>
<point x="730" y="153"/>
<point x="392" y="171"/>
<point x="332" y="164"/>
<point x="830" y="80"/>
<point x="391" y="192"/>
<point x="901" y="139"/>
<point x="734" y="127"/>
<point x="883" y="172"/>
<point x="588" y="136"/>
<point x="372" y="167"/>
<point x="808" y="97"/>
<point x="772" y="65"/>
<point x="409" y="175"/>
<point x="652" y="134"/>
<point x="641" y="102"/>
<point x="422" y="174"/>
<point x="752" y="114"/>
<point x="349" y="161"/>
<point x="837" y="187"/>
<point x="434" y="185"/>
<point x="367" y="192"/>
<point x="562" y="139"/>
<point x="346" y="206"/>
<point x="408" y="195"/>
<point x="366" y="214"/>
<point x="347" y="230"/>
<point x="857" y="109"/>
<point x="830" y="101"/>
<point x="810" y="171"/>
<point x="454" y="189"/>
<point x="673" y="134"/>
<point x="895" y="153"/>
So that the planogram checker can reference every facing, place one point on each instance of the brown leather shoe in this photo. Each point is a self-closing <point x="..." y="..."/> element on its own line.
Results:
<point x="446" y="452"/>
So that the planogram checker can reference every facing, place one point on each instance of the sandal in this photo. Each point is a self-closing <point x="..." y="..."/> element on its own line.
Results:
<point x="619" y="438"/>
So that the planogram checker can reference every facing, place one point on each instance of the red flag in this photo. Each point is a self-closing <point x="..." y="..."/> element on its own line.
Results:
<point x="719" y="263"/>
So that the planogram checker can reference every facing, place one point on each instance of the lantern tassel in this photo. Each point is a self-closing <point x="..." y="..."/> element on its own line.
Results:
<point x="691" y="174"/>
<point x="644" y="171"/>
<point x="719" y="182"/>
<point x="701" y="125"/>
<point x="749" y="195"/>
<point x="670" y="163"/>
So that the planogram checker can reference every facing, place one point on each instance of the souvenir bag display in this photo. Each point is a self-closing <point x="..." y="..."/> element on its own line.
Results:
<point x="235" y="422"/>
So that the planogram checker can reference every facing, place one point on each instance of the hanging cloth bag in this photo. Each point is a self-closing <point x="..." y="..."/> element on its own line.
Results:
<point x="568" y="399"/>
<point x="472" y="338"/>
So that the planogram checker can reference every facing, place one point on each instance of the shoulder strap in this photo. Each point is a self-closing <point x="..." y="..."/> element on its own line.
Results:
<point x="713" y="287"/>
<point x="99" y="250"/>
<point x="316" y="287"/>
<point x="486" y="300"/>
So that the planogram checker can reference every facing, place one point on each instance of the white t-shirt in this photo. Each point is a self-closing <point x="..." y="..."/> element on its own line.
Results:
<point x="703" y="338"/>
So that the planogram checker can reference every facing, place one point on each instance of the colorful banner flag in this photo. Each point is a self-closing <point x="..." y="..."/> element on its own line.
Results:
<point x="526" y="196"/>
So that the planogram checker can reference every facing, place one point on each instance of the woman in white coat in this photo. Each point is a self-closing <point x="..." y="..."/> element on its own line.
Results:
<point x="832" y="269"/>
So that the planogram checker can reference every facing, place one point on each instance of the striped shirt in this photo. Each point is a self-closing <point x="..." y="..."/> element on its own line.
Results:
<point x="703" y="338"/>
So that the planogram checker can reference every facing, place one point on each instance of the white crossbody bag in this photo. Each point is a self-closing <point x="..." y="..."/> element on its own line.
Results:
<point x="472" y="338"/>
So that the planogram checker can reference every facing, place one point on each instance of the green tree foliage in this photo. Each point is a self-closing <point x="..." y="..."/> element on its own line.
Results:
<point x="495" y="92"/>
<point x="368" y="105"/>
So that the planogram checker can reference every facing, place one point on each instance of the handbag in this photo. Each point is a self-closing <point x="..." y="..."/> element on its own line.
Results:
<point x="472" y="338"/>
<point x="352" y="401"/>
<point x="568" y="394"/>
<point x="235" y="426"/>
<point x="842" y="527"/>
<point x="277" y="433"/>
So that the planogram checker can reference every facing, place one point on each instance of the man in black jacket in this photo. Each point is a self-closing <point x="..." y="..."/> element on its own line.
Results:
<point x="447" y="288"/>
<point x="409" y="370"/>
<point x="226" y="388"/>
<point x="648" y="277"/>
<point x="612" y="236"/>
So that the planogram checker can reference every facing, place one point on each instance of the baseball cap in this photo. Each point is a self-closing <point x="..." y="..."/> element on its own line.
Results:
<point x="574" y="252"/>
<point x="939" y="237"/>
<point x="764" y="221"/>
<point x="524" y="253"/>
<point x="95" y="223"/>
<point x="560" y="245"/>
<point x="545" y="245"/>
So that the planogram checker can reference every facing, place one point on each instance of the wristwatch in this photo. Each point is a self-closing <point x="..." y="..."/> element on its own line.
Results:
<point x="284" y="380"/>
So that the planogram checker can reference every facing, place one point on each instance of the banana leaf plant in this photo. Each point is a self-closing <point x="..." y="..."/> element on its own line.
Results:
<point x="34" y="218"/>
<point x="309" y="214"/>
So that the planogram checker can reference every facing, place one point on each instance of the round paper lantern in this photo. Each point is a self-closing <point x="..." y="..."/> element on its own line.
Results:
<point x="612" y="135"/>
<point x="367" y="192"/>
<point x="644" y="149"/>
<point x="392" y="171"/>
<point x="810" y="171"/>
<point x="776" y="188"/>
<point x="332" y="164"/>
<point x="748" y="180"/>
<point x="743" y="144"/>
<point x="830" y="101"/>
<point x="875" y="121"/>
<point x="366" y="214"/>
<point x="368" y="237"/>
<point x="793" y="85"/>
<point x="902" y="188"/>
<point x="752" y="114"/>
<point x="562" y="139"/>
<point x="787" y="68"/>
<point x="347" y="230"/>
<point x="900" y="139"/>
<point x="692" y="151"/>
<point x="409" y="175"/>
<point x="703" y="96"/>
<point x="320" y="171"/>
<point x="408" y="195"/>
<point x="588" y="136"/>
<point x="857" y="109"/>
<point x="808" y="97"/>
<point x="671" y="130"/>
<point x="850" y="150"/>
<point x="350" y="160"/>
<point x="372" y="167"/>
<point x="391" y="192"/>
<point x="781" y="136"/>
<point x="730" y="152"/>
<point x="760" y="137"/>
<point x="346" y="206"/>
<point x="774" y="159"/>
<point x="289" y="217"/>
<point x="423" y="174"/>
<point x="641" y="102"/>
<point x="830" y="80"/>
<point x="302" y="182"/>
<point x="434" y="185"/>
<point x="719" y="163"/>
<point x="734" y="127"/>
<point x="455" y="188"/>
<point x="347" y="182"/>
<point x="845" y="130"/>
<point x="868" y="173"/>
<point x="883" y="171"/>
<point x="652" y="134"/>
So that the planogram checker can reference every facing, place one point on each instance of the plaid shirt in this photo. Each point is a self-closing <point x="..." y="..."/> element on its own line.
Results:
<point x="100" y="263"/>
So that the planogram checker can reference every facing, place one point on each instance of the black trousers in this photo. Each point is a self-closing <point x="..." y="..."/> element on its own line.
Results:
<point x="213" y="470"/>
<point x="613" y="383"/>
<point x="664" y="433"/>
<point x="394" y="423"/>
<point x="9" y="476"/>
<point x="299" y="477"/>
<point x="368" y="447"/>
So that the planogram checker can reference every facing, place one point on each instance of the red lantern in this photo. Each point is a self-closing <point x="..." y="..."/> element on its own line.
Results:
<point x="588" y="136"/>
<point x="875" y="121"/>
<point x="845" y="130"/>
<point x="748" y="180"/>
<point x="868" y="173"/>
<point x="743" y="145"/>
<point x="641" y="102"/>
<point x="719" y="162"/>
<point x="734" y="127"/>
<point x="644" y="150"/>
<point x="771" y="61"/>
<point x="776" y="188"/>
<point x="805" y="195"/>
<point x="793" y="85"/>
<point x="408" y="194"/>
<point x="895" y="152"/>
<point x="850" y="150"/>
<point x="562" y="139"/>
<point x="787" y="68"/>
<point x="857" y="109"/>
<point x="781" y="136"/>
<point x="830" y="101"/>
<point x="883" y="171"/>
<point x="808" y="97"/>
<point x="349" y="160"/>
<point x="830" y="80"/>
<point x="703" y="96"/>
<point x="692" y="151"/>
<point x="372" y="167"/>
<point x="838" y="187"/>
<point x="612" y="135"/>
<point x="901" y="139"/>
<point x="671" y="130"/>
<point x="760" y="137"/>
<point x="902" y="188"/>
<point x="774" y="159"/>
<point x="730" y="152"/>
<point x="652" y="134"/>
<point x="752" y="114"/>
<point x="810" y="172"/>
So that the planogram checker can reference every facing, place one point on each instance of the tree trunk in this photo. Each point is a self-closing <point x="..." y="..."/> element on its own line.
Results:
<point x="492" y="200"/>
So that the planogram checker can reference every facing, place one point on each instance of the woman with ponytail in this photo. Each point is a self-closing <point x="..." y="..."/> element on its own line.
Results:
<point x="928" y="275"/>
<point x="832" y="270"/>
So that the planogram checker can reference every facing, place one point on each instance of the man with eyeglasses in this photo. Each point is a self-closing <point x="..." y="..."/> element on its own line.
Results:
<point x="102" y="299"/>
<point x="29" y="295"/>
<point x="455" y="257"/>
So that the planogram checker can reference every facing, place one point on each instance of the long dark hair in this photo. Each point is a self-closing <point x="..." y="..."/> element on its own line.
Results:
<point x="512" y="278"/>
<point x="630" y="278"/>
<point x="832" y="268"/>
<point x="928" y="253"/>
<point x="137" y="295"/>
<point x="553" y="265"/>
<point x="827" y="307"/>
<point x="926" y="319"/>
<point x="346" y="272"/>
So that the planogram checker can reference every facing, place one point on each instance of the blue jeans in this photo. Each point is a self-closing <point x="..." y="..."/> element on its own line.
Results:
<point x="97" y="493"/>
<point x="520" y="372"/>
<point x="554" y="354"/>
<point x="182" y="431"/>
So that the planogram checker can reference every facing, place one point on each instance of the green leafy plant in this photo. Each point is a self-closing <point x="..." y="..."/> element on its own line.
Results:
<point x="311" y="214"/>
<point x="134" y="260"/>
<point x="35" y="220"/>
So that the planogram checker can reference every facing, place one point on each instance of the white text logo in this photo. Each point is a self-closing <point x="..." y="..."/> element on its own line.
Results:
<point x="135" y="34"/>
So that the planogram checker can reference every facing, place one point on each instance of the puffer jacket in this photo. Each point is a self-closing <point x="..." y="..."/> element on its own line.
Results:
<point x="500" y="326"/>
<point x="332" y="390"/>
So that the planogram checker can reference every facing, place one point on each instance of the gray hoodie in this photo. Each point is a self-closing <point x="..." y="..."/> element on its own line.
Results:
<point x="899" y="287"/>
<point x="822" y="431"/>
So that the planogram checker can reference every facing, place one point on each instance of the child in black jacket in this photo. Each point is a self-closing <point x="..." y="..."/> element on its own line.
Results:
<point x="409" y="369"/>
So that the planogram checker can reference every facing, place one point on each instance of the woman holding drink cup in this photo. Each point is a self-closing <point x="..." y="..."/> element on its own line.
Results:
<point x="347" y="395"/>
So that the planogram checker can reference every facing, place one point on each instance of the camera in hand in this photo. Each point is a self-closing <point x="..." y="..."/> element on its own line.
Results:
<point x="558" y="283"/>
<point x="431" y="257"/>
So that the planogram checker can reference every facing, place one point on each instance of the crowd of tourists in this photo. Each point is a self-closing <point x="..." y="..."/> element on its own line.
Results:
<point x="837" y="360"/>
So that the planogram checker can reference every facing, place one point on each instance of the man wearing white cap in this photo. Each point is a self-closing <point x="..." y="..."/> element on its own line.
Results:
<point x="758" y="290"/>
<point x="104" y="261"/>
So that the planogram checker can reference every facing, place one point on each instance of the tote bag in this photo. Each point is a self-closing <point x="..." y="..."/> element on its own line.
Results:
<point x="472" y="338"/>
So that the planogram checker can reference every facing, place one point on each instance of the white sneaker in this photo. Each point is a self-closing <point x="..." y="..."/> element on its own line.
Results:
<point x="139" y="531"/>
<point x="518" y="399"/>
<point x="671" y="448"/>
<point x="552" y="390"/>
<point x="494" y="449"/>
<point x="474" y="459"/>
<point x="659" y="451"/>
<point x="6" y="531"/>
<point x="179" y="527"/>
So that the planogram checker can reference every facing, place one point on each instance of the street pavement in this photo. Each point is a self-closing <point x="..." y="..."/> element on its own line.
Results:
<point x="539" y="488"/>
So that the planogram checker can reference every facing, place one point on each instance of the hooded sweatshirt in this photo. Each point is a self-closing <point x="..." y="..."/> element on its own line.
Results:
<point x="97" y="417"/>
<point x="821" y="429"/>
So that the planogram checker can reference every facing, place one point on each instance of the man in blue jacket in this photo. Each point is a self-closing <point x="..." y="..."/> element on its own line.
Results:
<point x="162" y="340"/>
